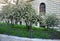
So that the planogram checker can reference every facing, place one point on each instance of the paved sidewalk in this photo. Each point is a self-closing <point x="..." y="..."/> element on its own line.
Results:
<point x="14" y="38"/>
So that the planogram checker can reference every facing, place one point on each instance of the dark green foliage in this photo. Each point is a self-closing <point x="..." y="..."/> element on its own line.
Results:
<point x="20" y="30"/>
<point x="52" y="20"/>
<point x="19" y="12"/>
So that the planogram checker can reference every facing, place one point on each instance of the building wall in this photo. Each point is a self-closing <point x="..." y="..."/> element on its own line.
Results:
<point x="36" y="4"/>
<point x="52" y="6"/>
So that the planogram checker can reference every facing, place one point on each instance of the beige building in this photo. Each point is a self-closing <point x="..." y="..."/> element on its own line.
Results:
<point x="41" y="6"/>
<point x="47" y="6"/>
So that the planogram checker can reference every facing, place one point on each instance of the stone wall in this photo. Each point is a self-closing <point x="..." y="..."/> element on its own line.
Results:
<point x="52" y="6"/>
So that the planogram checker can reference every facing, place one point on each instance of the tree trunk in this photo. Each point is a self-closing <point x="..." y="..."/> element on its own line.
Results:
<point x="27" y="26"/>
<point x="11" y="21"/>
<point x="39" y="24"/>
<point x="30" y="25"/>
<point x="20" y="22"/>
<point x="17" y="2"/>
<point x="47" y="27"/>
<point x="30" y="30"/>
<point x="16" y="21"/>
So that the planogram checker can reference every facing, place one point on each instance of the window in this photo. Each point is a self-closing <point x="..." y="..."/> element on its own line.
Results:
<point x="42" y="8"/>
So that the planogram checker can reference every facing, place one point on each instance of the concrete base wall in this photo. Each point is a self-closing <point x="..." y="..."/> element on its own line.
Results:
<point x="14" y="38"/>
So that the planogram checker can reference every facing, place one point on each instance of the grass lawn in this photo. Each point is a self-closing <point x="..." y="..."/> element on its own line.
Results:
<point x="20" y="30"/>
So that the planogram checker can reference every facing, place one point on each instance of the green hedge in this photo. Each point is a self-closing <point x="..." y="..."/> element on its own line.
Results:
<point x="20" y="30"/>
